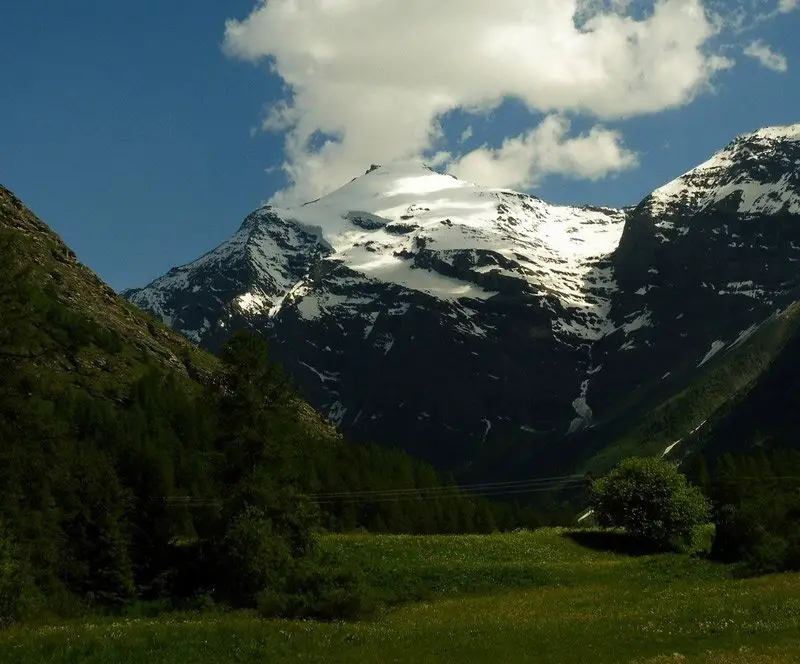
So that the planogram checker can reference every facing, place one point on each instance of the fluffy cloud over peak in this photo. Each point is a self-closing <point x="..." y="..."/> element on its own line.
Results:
<point x="521" y="161"/>
<point x="377" y="76"/>
<point x="766" y="56"/>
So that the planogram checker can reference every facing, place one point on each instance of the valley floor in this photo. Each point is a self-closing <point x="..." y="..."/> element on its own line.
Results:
<point x="550" y="596"/>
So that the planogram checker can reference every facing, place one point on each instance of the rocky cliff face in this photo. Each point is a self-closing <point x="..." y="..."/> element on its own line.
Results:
<point x="704" y="260"/>
<point x="461" y="322"/>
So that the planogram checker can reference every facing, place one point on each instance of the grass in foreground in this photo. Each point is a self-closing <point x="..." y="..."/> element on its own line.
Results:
<point x="582" y="605"/>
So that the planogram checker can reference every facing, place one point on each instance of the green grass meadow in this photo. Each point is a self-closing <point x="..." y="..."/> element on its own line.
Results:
<point x="522" y="597"/>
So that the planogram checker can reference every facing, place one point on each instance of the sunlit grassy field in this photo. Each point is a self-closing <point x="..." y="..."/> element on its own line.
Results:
<point x="522" y="597"/>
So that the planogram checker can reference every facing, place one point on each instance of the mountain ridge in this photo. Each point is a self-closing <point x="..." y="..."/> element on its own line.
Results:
<point x="538" y="319"/>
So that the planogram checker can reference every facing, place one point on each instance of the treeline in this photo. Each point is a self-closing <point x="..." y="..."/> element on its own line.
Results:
<point x="168" y="489"/>
<point x="756" y="508"/>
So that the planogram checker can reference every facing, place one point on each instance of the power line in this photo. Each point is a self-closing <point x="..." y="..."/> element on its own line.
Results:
<point x="399" y="499"/>
<point x="483" y="489"/>
<point x="421" y="494"/>
<point x="471" y="488"/>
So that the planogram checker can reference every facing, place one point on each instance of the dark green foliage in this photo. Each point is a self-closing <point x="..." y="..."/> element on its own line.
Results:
<point x="756" y="509"/>
<point x="18" y="594"/>
<point x="652" y="501"/>
<point x="255" y="555"/>
<point x="318" y="586"/>
<point x="93" y="523"/>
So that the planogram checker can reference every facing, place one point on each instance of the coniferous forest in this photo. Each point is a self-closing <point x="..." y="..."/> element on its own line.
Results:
<point x="125" y="476"/>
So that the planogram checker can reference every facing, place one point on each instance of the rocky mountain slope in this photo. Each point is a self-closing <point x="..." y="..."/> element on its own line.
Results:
<point x="469" y="324"/>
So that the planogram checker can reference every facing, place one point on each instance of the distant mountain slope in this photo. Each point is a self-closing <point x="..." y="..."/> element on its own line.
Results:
<point x="704" y="260"/>
<point x="388" y="299"/>
<point x="478" y="326"/>
<point x="765" y="415"/>
<point x="682" y="418"/>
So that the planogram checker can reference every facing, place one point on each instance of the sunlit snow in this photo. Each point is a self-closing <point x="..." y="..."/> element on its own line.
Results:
<point x="714" y="181"/>
<point x="375" y="226"/>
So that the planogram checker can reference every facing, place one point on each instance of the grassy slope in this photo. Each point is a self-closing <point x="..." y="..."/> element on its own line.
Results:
<point x="764" y="416"/>
<point x="585" y="605"/>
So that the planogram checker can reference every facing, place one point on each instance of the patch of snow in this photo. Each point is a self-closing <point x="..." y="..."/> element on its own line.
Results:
<point x="582" y="410"/>
<point x="385" y="344"/>
<point x="746" y="288"/>
<point x="716" y="347"/>
<point x="780" y="132"/>
<point x="337" y="412"/>
<point x="252" y="302"/>
<point x="641" y="320"/>
<point x="309" y="308"/>
<point x="745" y="334"/>
<point x="325" y="377"/>
<point x="670" y="447"/>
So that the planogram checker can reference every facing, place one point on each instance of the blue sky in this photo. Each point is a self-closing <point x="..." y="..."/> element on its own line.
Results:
<point x="134" y="129"/>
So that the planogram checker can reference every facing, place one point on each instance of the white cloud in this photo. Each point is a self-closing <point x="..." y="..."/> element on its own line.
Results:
<point x="466" y="134"/>
<point x="380" y="74"/>
<point x="522" y="161"/>
<point x="760" y="16"/>
<point x="766" y="56"/>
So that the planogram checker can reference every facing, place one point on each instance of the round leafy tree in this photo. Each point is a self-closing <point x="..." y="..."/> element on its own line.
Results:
<point x="651" y="500"/>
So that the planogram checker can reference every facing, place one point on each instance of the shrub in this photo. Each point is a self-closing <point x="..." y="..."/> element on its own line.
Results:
<point x="321" y="587"/>
<point x="262" y="567"/>
<point x="701" y="541"/>
<point x="318" y="586"/>
<point x="255" y="557"/>
<point x="652" y="501"/>
<point x="761" y="545"/>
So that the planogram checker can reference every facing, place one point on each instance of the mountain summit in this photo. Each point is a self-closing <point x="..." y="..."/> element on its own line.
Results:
<point x="459" y="321"/>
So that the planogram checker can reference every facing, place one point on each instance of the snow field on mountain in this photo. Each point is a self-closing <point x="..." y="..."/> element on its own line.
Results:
<point x="375" y="224"/>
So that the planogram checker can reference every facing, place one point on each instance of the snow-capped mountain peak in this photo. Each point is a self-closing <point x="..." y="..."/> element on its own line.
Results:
<point x="408" y="225"/>
<point x="757" y="173"/>
<point x="436" y="314"/>
<point x="776" y="133"/>
<point x="378" y="223"/>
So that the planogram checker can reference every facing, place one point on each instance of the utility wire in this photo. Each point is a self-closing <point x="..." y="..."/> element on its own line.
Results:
<point x="539" y="481"/>
<point x="421" y="494"/>
<point x="512" y="487"/>
<point x="407" y="498"/>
